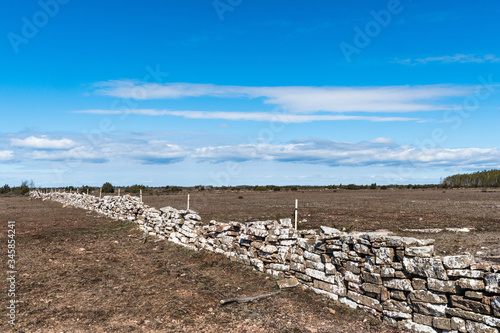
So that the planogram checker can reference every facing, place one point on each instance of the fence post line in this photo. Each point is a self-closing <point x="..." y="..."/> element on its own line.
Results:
<point x="118" y="192"/>
<point x="140" y="191"/>
<point x="296" y="207"/>
<point x="188" y="202"/>
<point x="100" y="192"/>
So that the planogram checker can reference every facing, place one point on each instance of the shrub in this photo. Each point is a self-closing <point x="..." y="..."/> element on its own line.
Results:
<point x="5" y="189"/>
<point x="108" y="188"/>
<point x="21" y="190"/>
<point x="373" y="186"/>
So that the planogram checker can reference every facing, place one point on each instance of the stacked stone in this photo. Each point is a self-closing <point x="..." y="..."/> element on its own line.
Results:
<point x="398" y="279"/>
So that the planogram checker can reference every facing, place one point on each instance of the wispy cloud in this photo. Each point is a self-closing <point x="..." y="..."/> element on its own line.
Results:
<point x="379" y="152"/>
<point x="249" y="116"/>
<point x="301" y="99"/>
<point x="81" y="153"/>
<point x="43" y="142"/>
<point x="456" y="58"/>
<point x="6" y="155"/>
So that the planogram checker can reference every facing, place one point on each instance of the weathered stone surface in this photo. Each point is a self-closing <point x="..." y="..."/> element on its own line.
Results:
<point x="495" y="305"/>
<point x="473" y="327"/>
<point x="428" y="297"/>
<point x="398" y="284"/>
<point x="383" y="255"/>
<point x="269" y="249"/>
<point x="467" y="273"/>
<point x="312" y="256"/>
<point x="429" y="309"/>
<point x="419" y="284"/>
<point x="423" y="319"/>
<point x="392" y="305"/>
<point x="472" y="284"/>
<point x="420" y="251"/>
<point x="469" y="305"/>
<point x="419" y="328"/>
<point x="492" y="282"/>
<point x="350" y="276"/>
<point x="462" y="261"/>
<point x="387" y="272"/>
<point x="338" y="289"/>
<point x="287" y="283"/>
<point x="398" y="315"/>
<point x="398" y="295"/>
<point x="327" y="231"/>
<point x="428" y="267"/>
<point x="441" y="323"/>
<point x="477" y="295"/>
<point x="372" y="278"/>
<point x="458" y="324"/>
<point x="488" y="320"/>
<point x="298" y="267"/>
<point x="364" y="300"/>
<point x="353" y="267"/>
<point x="371" y="288"/>
<point x="442" y="286"/>
<point x="330" y="269"/>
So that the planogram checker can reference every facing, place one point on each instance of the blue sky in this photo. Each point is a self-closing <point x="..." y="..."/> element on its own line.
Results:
<point x="232" y="92"/>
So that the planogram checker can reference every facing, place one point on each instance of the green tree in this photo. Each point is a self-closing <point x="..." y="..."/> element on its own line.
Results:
<point x="108" y="188"/>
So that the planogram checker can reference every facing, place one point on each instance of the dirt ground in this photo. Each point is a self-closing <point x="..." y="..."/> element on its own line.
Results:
<point x="364" y="210"/>
<point x="80" y="272"/>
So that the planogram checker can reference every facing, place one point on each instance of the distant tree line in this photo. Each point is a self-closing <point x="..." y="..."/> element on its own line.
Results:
<point x="487" y="178"/>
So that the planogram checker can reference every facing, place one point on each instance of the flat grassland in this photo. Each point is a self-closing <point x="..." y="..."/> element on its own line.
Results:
<point x="364" y="210"/>
<point x="81" y="272"/>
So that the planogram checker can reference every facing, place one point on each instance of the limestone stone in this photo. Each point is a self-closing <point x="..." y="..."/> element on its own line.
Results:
<point x="429" y="309"/>
<point x="387" y="272"/>
<point x="458" y="324"/>
<point x="372" y="278"/>
<point x="472" y="284"/>
<point x="420" y="251"/>
<point x="467" y="273"/>
<point x="398" y="284"/>
<point x="398" y="295"/>
<point x="312" y="256"/>
<point x="423" y="319"/>
<point x="473" y="327"/>
<point x="492" y="281"/>
<point x="419" y="284"/>
<point x="477" y="295"/>
<point x="364" y="300"/>
<point x="427" y="267"/>
<point x="287" y="283"/>
<point x="441" y="323"/>
<point x="442" y="286"/>
<point x="392" y="305"/>
<point x="428" y="297"/>
<point x="461" y="261"/>
<point x="383" y="255"/>
<point x="495" y="305"/>
<point x="469" y="305"/>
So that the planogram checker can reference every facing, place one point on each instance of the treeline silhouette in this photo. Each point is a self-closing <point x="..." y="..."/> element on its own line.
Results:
<point x="487" y="178"/>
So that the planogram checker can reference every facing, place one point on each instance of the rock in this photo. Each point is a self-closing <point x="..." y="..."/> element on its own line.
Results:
<point x="419" y="284"/>
<point x="429" y="309"/>
<point x="428" y="297"/>
<point x="473" y="327"/>
<point x="472" y="284"/>
<point x="287" y="283"/>
<point x="458" y="324"/>
<point x="419" y="328"/>
<point x="330" y="231"/>
<point x="461" y="261"/>
<point x="420" y="251"/>
<point x="364" y="300"/>
<point x="495" y="305"/>
<point x="442" y="286"/>
<point x="392" y="305"/>
<point x="269" y="249"/>
<point x="428" y="267"/>
<point x="372" y="278"/>
<point x="383" y="255"/>
<point x="398" y="284"/>
<point x="492" y="283"/>
<point x="469" y="305"/>
<point x="441" y="323"/>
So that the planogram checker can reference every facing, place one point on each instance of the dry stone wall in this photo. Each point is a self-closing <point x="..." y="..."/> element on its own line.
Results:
<point x="398" y="279"/>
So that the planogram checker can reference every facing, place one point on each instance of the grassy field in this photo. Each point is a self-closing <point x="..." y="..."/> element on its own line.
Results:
<point x="364" y="210"/>
<point x="80" y="272"/>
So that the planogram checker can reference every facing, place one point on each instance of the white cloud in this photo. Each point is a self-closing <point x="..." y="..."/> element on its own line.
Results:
<point x="252" y="116"/>
<point x="43" y="143"/>
<point x="6" y="155"/>
<point x="456" y="58"/>
<point x="81" y="153"/>
<point x="300" y="99"/>
<point x="376" y="152"/>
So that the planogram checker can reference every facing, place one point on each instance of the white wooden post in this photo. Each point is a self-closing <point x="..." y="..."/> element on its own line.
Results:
<point x="188" y="203"/>
<point x="140" y="191"/>
<point x="100" y="193"/>
<point x="296" y="206"/>
<point x="118" y="192"/>
<point x="87" y="191"/>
